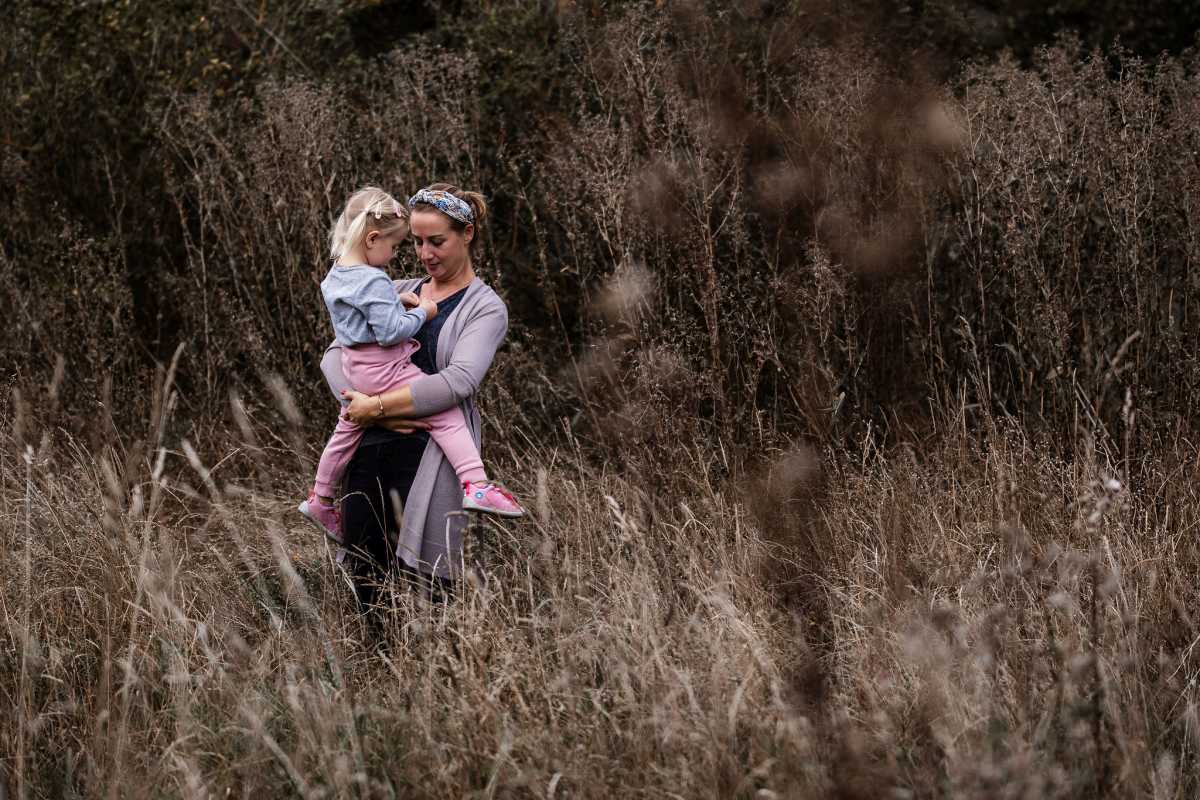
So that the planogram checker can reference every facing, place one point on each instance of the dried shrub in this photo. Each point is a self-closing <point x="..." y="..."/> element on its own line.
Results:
<point x="1072" y="252"/>
<point x="255" y="257"/>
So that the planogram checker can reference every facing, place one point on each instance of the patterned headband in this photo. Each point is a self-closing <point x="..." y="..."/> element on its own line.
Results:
<point x="448" y="204"/>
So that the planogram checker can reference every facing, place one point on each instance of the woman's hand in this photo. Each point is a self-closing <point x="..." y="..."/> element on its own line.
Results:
<point x="365" y="409"/>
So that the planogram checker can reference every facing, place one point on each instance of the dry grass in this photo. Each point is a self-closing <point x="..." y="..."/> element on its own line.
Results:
<point x="977" y="620"/>
<point x="855" y="411"/>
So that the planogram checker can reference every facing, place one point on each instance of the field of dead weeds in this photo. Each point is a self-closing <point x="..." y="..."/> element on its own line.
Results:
<point x="851" y="388"/>
<point x="980" y="620"/>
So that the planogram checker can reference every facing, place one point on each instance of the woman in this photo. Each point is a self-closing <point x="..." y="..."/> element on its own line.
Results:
<point x="393" y="468"/>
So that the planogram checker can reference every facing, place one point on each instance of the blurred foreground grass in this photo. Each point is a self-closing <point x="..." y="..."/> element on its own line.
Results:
<point x="980" y="620"/>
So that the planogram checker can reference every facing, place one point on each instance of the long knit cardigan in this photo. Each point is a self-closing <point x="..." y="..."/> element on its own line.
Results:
<point x="430" y="540"/>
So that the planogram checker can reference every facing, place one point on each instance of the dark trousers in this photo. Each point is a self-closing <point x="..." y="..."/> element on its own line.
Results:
<point x="375" y="488"/>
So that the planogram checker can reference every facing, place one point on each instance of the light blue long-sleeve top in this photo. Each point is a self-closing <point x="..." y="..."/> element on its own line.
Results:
<point x="365" y="309"/>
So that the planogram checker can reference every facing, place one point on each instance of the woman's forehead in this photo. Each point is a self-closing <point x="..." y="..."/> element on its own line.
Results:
<point x="429" y="223"/>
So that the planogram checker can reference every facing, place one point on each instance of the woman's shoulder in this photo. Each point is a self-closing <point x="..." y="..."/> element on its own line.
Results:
<point x="484" y="296"/>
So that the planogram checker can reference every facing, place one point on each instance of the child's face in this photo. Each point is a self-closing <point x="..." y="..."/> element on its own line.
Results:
<point x="381" y="249"/>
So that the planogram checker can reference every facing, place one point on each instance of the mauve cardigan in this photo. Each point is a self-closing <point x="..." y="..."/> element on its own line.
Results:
<point x="431" y="541"/>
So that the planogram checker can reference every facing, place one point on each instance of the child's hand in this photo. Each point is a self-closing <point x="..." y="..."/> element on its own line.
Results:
<point x="409" y="299"/>
<point x="430" y="308"/>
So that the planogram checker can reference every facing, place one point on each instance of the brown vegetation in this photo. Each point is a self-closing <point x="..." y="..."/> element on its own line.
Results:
<point x="854" y="405"/>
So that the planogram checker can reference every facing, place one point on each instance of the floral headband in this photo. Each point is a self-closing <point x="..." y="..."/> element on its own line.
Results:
<point x="443" y="201"/>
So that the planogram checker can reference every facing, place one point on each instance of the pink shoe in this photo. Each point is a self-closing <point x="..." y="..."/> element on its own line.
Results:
<point x="490" y="498"/>
<point x="327" y="518"/>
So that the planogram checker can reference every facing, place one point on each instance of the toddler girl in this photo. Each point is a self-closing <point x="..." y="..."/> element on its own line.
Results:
<point x="374" y="325"/>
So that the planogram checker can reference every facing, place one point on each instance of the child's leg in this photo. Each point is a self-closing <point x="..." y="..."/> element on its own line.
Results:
<point x="376" y="369"/>
<point x="450" y="432"/>
<point x="365" y="369"/>
<point x="336" y="456"/>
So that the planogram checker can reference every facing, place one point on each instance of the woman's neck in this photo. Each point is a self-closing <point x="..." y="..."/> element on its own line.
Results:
<point x="445" y="288"/>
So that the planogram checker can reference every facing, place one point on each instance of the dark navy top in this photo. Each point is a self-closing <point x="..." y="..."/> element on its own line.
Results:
<point x="426" y="360"/>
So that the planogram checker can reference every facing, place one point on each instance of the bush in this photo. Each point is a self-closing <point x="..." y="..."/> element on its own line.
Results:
<point x="1068" y="275"/>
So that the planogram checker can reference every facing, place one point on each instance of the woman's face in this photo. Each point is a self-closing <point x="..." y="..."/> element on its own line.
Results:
<point x="442" y="250"/>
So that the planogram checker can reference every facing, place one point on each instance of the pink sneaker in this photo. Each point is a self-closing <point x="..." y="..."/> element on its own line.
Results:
<point x="490" y="498"/>
<point x="327" y="518"/>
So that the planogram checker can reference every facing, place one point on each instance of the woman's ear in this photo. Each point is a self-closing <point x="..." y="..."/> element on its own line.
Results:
<point x="468" y="233"/>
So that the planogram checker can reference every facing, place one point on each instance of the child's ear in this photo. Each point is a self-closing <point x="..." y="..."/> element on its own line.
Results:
<point x="372" y="238"/>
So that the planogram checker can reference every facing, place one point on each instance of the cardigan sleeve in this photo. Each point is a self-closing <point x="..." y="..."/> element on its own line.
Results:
<point x="331" y="368"/>
<point x="472" y="356"/>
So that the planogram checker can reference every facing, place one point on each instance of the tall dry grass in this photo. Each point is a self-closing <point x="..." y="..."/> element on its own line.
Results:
<point x="854" y="411"/>
<point x="986" y="620"/>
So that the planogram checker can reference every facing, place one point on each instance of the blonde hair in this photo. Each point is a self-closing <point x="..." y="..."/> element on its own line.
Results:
<point x="368" y="209"/>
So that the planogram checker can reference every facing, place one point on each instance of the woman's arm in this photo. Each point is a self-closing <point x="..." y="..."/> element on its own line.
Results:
<point x="473" y="354"/>
<point x="364" y="409"/>
<point x="331" y="368"/>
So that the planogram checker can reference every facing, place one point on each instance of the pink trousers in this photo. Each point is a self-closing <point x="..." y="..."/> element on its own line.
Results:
<point x="372" y="369"/>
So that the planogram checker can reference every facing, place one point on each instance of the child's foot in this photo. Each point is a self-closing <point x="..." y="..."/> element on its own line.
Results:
<point x="325" y="517"/>
<point x="490" y="498"/>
